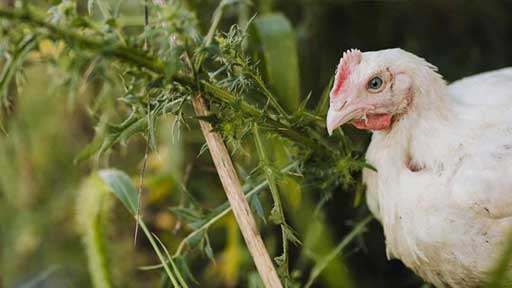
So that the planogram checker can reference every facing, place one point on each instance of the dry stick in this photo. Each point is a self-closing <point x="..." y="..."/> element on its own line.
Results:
<point x="236" y="198"/>
<point x="234" y="192"/>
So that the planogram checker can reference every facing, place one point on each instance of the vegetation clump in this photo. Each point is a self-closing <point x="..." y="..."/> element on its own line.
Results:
<point x="138" y="79"/>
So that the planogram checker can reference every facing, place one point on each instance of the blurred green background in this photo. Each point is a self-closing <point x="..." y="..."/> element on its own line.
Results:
<point x="40" y="236"/>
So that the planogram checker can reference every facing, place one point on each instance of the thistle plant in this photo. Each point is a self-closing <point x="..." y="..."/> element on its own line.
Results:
<point x="140" y="73"/>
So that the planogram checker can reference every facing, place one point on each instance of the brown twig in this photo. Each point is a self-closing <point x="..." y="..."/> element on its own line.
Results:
<point x="239" y="204"/>
<point x="234" y="192"/>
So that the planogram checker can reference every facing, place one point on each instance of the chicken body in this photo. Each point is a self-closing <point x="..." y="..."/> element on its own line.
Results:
<point x="443" y="186"/>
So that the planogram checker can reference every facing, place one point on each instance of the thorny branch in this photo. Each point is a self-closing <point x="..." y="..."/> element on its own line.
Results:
<point x="139" y="58"/>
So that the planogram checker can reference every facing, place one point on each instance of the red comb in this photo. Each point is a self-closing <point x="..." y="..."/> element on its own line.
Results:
<point x="351" y="58"/>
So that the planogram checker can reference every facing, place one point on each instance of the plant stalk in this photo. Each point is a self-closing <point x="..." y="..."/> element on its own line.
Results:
<point x="274" y="191"/>
<point x="158" y="252"/>
<point x="235" y="195"/>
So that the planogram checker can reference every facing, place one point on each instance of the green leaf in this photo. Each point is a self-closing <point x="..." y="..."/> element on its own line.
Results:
<point x="275" y="217"/>
<point x="189" y="215"/>
<point x="196" y="239"/>
<point x="102" y="143"/>
<point x="279" y="47"/>
<point x="121" y="185"/>
<point x="12" y="65"/>
<point x="181" y="263"/>
<point x="280" y="260"/>
<point x="255" y="203"/>
<point x="90" y="149"/>
<point x="323" y="104"/>
<point x="207" y="249"/>
<point x="291" y="235"/>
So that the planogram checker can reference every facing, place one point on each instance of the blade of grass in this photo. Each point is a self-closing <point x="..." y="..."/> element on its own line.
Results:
<point x="170" y="260"/>
<point x="122" y="187"/>
<point x="277" y="39"/>
<point x="158" y="253"/>
<point x="323" y="104"/>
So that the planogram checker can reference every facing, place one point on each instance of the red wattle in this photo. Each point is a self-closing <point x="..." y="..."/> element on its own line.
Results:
<point x="374" y="122"/>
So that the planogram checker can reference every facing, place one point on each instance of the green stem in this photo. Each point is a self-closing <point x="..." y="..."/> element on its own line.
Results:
<point x="269" y="95"/>
<point x="344" y="142"/>
<point x="243" y="16"/>
<point x="128" y="54"/>
<point x="217" y="16"/>
<point x="274" y="192"/>
<point x="158" y="252"/>
<point x="315" y="118"/>
<point x="174" y="267"/>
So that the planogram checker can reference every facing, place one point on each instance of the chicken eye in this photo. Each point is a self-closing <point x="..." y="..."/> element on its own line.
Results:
<point x="375" y="83"/>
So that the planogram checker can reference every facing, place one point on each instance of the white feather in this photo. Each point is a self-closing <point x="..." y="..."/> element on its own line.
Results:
<point x="448" y="221"/>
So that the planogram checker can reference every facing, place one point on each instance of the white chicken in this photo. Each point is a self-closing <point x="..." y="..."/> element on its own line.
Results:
<point x="443" y="190"/>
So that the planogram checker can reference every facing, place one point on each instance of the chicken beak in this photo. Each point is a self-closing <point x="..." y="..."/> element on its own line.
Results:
<point x="338" y="117"/>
